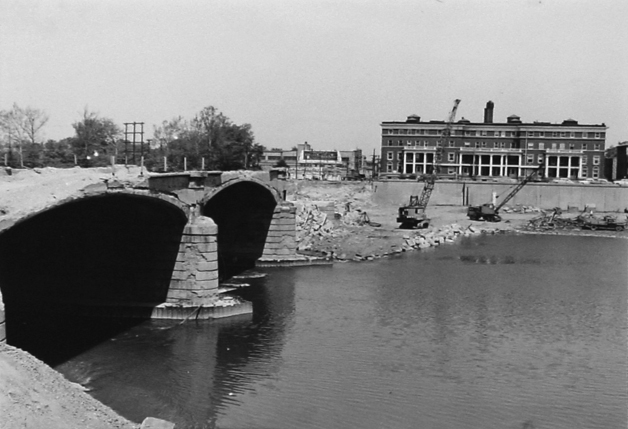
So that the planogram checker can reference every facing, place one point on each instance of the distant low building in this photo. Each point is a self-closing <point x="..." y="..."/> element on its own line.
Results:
<point x="616" y="162"/>
<point x="306" y="163"/>
<point x="490" y="149"/>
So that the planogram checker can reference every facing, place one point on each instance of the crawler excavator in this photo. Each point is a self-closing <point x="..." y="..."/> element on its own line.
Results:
<point x="413" y="215"/>
<point x="489" y="211"/>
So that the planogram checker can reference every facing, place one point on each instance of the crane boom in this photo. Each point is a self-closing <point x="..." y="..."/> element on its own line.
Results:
<point x="519" y="186"/>
<point x="413" y="214"/>
<point x="430" y="180"/>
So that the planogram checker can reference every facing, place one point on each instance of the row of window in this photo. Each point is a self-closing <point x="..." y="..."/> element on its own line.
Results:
<point x="501" y="145"/>
<point x="485" y="171"/>
<point x="451" y="157"/>
<point x="498" y="133"/>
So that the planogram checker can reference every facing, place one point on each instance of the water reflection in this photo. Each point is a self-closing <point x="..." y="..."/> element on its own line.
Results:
<point x="428" y="339"/>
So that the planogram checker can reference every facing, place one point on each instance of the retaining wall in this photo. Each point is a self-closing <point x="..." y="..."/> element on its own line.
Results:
<point x="608" y="198"/>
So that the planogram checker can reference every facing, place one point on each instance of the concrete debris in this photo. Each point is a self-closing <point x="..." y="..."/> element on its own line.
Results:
<point x="553" y="220"/>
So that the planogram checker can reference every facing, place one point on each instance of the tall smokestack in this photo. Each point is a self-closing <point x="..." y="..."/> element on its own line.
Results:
<point x="488" y="113"/>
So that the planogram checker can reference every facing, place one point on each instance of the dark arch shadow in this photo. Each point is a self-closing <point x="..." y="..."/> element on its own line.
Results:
<point x="243" y="212"/>
<point x="107" y="249"/>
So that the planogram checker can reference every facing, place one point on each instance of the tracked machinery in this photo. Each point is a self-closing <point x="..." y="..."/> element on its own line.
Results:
<point x="413" y="215"/>
<point x="489" y="211"/>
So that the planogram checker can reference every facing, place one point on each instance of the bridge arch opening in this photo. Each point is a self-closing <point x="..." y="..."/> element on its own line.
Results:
<point x="100" y="250"/>
<point x="243" y="212"/>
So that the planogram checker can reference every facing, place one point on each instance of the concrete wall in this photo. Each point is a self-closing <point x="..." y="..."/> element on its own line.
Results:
<point x="543" y="195"/>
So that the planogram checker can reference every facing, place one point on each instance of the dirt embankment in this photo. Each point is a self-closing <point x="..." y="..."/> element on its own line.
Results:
<point x="336" y="221"/>
<point x="34" y="395"/>
<point x="331" y="223"/>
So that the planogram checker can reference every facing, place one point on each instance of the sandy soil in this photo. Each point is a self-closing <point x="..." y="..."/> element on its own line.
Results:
<point x="33" y="395"/>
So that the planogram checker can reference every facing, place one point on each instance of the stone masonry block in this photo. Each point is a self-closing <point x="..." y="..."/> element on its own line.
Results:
<point x="206" y="275"/>
<point x="208" y="266"/>
<point x="197" y="238"/>
<point x="194" y="229"/>
<point x="200" y="247"/>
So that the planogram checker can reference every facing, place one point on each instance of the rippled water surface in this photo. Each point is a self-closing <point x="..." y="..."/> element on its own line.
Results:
<point x="492" y="332"/>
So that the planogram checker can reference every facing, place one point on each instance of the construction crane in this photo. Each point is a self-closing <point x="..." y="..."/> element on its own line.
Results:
<point x="413" y="215"/>
<point x="489" y="211"/>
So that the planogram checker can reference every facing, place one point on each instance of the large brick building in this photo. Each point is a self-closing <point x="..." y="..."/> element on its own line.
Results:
<point x="494" y="149"/>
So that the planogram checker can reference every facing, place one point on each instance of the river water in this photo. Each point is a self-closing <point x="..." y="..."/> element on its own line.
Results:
<point x="491" y="332"/>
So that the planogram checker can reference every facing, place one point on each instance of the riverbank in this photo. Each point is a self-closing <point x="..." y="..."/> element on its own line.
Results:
<point x="36" y="396"/>
<point x="331" y="223"/>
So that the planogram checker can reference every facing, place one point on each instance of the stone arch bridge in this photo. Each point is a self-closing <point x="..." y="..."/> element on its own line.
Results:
<point x="159" y="247"/>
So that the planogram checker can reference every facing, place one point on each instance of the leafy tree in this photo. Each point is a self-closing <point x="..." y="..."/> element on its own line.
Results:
<point x="58" y="154"/>
<point x="281" y="163"/>
<point x="20" y="127"/>
<point x="96" y="139"/>
<point x="209" y="136"/>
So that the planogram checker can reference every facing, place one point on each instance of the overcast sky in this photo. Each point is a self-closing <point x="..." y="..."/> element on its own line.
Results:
<point x="325" y="72"/>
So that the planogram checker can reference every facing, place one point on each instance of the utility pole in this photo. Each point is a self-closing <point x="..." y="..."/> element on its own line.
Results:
<point x="133" y="129"/>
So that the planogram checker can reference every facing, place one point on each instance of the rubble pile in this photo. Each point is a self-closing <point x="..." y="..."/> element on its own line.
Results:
<point x="520" y="209"/>
<point x="553" y="220"/>
<point x="312" y="225"/>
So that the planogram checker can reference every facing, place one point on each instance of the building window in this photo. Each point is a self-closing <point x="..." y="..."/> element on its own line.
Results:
<point x="399" y="156"/>
<point x="585" y="171"/>
<point x="409" y="142"/>
<point x="469" y="133"/>
<point x="555" y="134"/>
<point x="451" y="171"/>
<point x="530" y="145"/>
<point x="483" y="133"/>
<point x="596" y="146"/>
<point x="585" y="146"/>
<point x="597" y="135"/>
<point x="451" y="143"/>
<point x="539" y="159"/>
<point x="541" y="133"/>
<point x="389" y="156"/>
<point x="483" y="144"/>
<point x="572" y="146"/>
<point x="541" y="145"/>
<point x="596" y="160"/>
<point x="496" y="144"/>
<point x="477" y="144"/>
<point x="530" y="133"/>
<point x="562" y="146"/>
<point x="530" y="159"/>
<point x="467" y="144"/>
<point x="451" y="157"/>
<point x="572" y="134"/>
<point x="502" y="144"/>
<point x="403" y="131"/>
<point x="584" y="159"/>
<point x="596" y="172"/>
<point x="563" y="134"/>
<point x="554" y="145"/>
<point x="389" y="168"/>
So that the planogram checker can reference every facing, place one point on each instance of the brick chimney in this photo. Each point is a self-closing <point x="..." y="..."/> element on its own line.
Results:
<point x="488" y="113"/>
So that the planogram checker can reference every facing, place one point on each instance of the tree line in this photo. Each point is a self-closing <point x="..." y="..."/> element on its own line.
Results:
<point x="209" y="140"/>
